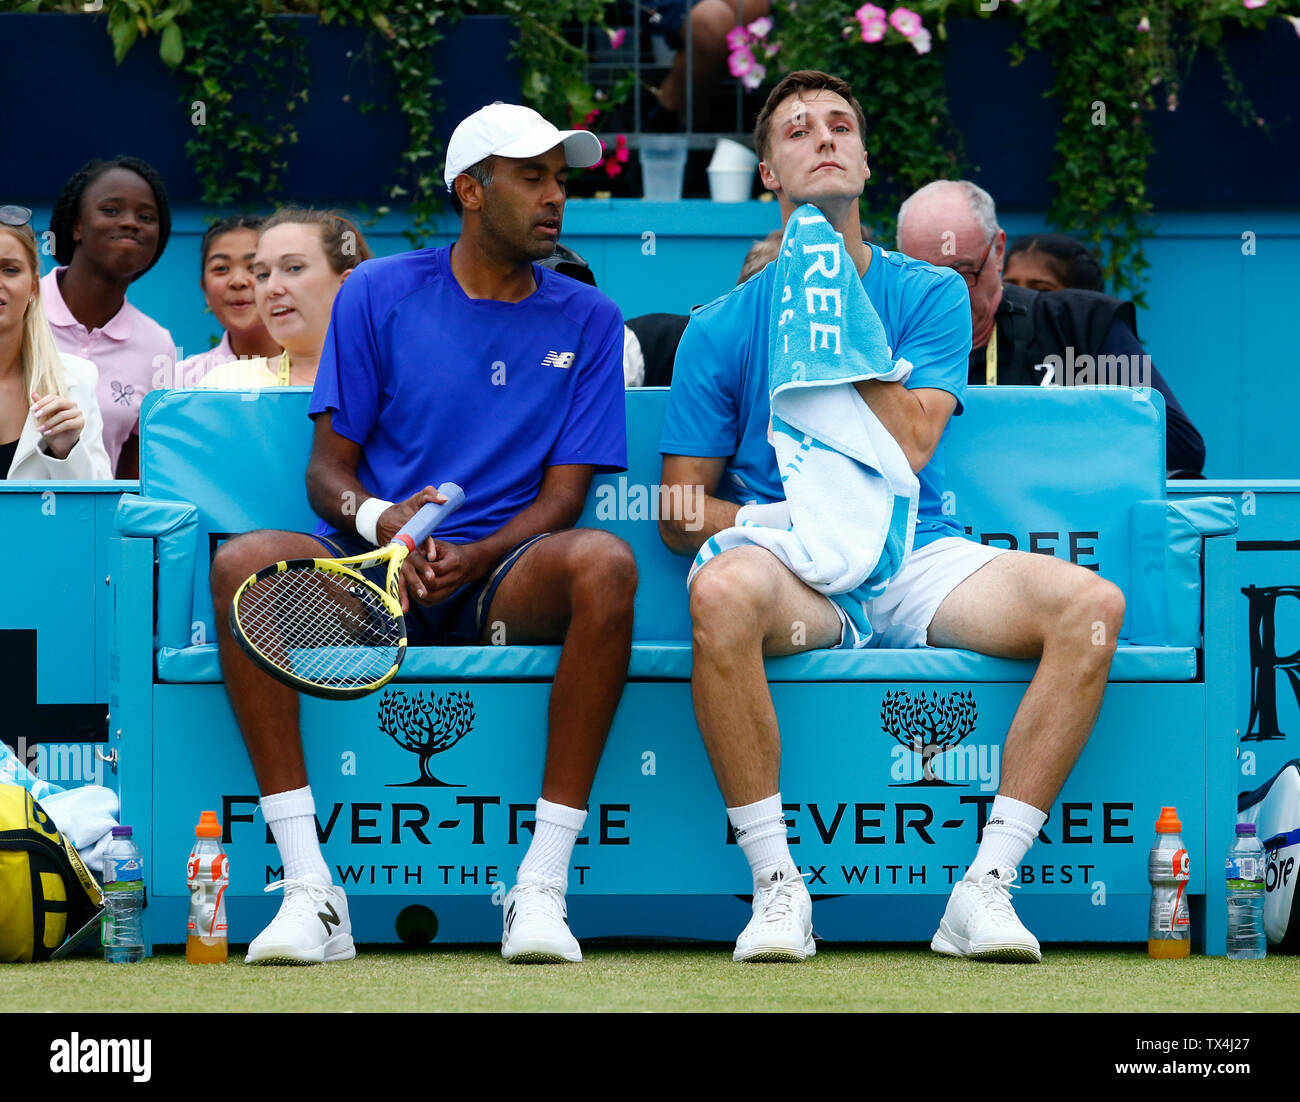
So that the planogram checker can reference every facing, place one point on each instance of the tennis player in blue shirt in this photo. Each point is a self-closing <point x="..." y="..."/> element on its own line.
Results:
<point x="952" y="592"/>
<point x="468" y="364"/>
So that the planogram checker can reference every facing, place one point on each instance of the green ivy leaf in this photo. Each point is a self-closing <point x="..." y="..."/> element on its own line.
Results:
<point x="171" y="49"/>
<point x="124" y="34"/>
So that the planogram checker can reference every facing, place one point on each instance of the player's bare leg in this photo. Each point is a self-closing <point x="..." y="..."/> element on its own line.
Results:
<point x="265" y="709"/>
<point x="1026" y="606"/>
<point x="312" y="925"/>
<point x="576" y="587"/>
<point x="744" y="605"/>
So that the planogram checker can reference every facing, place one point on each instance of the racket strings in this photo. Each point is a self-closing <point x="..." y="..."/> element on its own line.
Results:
<point x="320" y="626"/>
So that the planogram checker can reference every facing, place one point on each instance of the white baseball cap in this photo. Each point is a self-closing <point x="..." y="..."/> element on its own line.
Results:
<point x="511" y="130"/>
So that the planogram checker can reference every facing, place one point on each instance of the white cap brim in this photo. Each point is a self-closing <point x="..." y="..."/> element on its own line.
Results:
<point x="581" y="147"/>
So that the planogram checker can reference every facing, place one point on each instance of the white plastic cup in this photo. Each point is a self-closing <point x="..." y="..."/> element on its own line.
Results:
<point x="732" y="155"/>
<point x="663" y="166"/>
<point x="731" y="185"/>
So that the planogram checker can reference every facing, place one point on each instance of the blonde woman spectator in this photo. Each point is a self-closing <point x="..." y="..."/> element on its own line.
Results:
<point x="303" y="258"/>
<point x="50" y="427"/>
<point x="226" y="280"/>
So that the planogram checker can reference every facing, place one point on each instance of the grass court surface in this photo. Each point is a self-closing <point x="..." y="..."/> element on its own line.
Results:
<point x="622" y="976"/>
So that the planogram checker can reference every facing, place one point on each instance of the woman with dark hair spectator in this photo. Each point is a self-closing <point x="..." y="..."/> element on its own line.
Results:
<point x="49" y="419"/>
<point x="303" y="257"/>
<point x="110" y="225"/>
<point x="1052" y="262"/>
<point x="226" y="280"/>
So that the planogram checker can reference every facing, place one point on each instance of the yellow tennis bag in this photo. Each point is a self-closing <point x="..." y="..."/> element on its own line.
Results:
<point x="46" y="892"/>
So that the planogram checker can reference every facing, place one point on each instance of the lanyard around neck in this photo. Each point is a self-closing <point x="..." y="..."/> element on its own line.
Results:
<point x="991" y="358"/>
<point x="282" y="374"/>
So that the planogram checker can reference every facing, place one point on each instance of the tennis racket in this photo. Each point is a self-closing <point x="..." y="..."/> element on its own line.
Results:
<point x="323" y="628"/>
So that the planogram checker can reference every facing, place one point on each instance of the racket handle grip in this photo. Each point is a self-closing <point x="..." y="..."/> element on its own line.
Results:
<point x="416" y="530"/>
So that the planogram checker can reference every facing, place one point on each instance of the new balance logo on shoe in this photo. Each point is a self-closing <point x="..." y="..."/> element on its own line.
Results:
<point x="558" y="359"/>
<point x="329" y="917"/>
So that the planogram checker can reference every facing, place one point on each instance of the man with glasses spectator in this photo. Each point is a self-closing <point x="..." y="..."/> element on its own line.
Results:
<point x="1024" y="337"/>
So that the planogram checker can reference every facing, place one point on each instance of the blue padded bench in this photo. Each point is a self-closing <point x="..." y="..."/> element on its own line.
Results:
<point x="416" y="812"/>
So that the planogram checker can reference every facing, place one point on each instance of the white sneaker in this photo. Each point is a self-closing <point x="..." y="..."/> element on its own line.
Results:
<point x="311" y="927"/>
<point x="781" y="928"/>
<point x="980" y="923"/>
<point x="536" y="924"/>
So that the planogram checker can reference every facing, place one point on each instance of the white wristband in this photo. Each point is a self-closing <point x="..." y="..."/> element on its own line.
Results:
<point x="368" y="518"/>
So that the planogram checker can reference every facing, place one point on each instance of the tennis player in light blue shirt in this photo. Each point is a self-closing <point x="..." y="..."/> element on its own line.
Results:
<point x="952" y="591"/>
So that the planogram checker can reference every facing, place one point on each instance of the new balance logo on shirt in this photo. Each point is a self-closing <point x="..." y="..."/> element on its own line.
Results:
<point x="558" y="359"/>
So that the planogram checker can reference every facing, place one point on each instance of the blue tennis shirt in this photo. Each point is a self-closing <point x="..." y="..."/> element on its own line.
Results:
<point x="719" y="404"/>
<point x="436" y="386"/>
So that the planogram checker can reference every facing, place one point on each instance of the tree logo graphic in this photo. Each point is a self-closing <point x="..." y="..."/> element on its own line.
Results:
<point x="426" y="726"/>
<point x="928" y="726"/>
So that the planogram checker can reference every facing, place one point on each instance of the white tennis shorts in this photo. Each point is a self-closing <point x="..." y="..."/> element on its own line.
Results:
<point x="900" y="617"/>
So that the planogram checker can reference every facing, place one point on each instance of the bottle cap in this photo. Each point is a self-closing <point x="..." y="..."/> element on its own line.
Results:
<point x="122" y="832"/>
<point x="208" y="826"/>
<point x="1245" y="828"/>
<point x="1168" y="822"/>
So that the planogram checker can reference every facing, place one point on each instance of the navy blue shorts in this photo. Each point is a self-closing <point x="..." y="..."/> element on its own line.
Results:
<point x="461" y="619"/>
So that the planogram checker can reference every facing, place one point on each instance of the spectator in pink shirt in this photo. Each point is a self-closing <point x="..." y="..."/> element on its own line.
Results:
<point x="110" y="225"/>
<point x="226" y="279"/>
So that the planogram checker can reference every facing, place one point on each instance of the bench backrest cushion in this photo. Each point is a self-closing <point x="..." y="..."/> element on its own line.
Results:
<point x="1053" y="470"/>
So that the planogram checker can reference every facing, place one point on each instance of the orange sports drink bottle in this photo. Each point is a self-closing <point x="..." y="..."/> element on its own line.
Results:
<point x="208" y="875"/>
<point x="1169" y="929"/>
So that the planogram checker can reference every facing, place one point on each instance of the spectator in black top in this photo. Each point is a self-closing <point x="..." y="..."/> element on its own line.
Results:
<point x="1052" y="262"/>
<point x="650" y="341"/>
<point x="1032" y="338"/>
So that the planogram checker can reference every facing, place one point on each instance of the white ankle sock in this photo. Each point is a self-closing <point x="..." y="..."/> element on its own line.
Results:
<point x="553" y="840"/>
<point x="1010" y="830"/>
<point x="292" y="819"/>
<point x="760" y="830"/>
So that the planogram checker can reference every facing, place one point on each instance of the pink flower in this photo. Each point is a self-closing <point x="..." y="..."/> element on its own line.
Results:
<point x="771" y="48"/>
<point x="872" y="21"/>
<point x="1144" y="25"/>
<point x="612" y="168"/>
<point x="1252" y="4"/>
<point x="905" y="21"/>
<point x="621" y="152"/>
<point x="754" y="77"/>
<point x="737" y="39"/>
<point x="741" y="62"/>
<point x="873" y="32"/>
<point x="760" y="27"/>
<point x="921" y="41"/>
<point x="616" y="38"/>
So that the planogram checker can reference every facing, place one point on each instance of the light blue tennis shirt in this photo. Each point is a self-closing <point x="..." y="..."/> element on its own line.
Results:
<point x="719" y="401"/>
<point x="436" y="386"/>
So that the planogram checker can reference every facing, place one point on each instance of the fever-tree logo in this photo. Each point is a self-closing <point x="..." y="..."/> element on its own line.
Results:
<point x="426" y="726"/>
<point x="928" y="725"/>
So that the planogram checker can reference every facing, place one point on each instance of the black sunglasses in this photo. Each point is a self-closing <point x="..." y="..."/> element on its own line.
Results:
<point x="14" y="215"/>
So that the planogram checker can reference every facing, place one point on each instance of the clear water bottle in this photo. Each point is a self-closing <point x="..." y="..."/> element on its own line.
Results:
<point x="121" y="932"/>
<point x="208" y="875"/>
<point x="1246" y="863"/>
<point x="1169" y="927"/>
